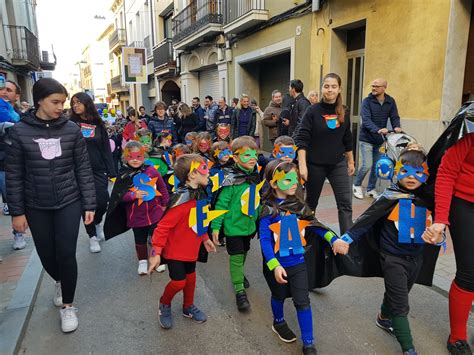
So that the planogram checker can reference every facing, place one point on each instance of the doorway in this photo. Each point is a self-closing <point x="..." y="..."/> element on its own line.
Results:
<point x="170" y="91"/>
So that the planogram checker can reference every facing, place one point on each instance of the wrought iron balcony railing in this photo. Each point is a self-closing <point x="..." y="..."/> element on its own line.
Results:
<point x="23" y="46"/>
<point x="195" y="16"/>
<point x="237" y="8"/>
<point x="163" y="54"/>
<point x="117" y="38"/>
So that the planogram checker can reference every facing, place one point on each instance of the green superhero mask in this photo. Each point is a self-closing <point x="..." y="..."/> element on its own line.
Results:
<point x="288" y="181"/>
<point x="145" y="140"/>
<point x="247" y="155"/>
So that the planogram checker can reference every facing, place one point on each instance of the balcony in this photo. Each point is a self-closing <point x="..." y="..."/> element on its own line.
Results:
<point x="117" y="39"/>
<point x="46" y="61"/>
<point x="136" y="44"/>
<point x="22" y="47"/>
<point x="199" y="20"/>
<point x="116" y="84"/>
<point x="163" y="61"/>
<point x="240" y="15"/>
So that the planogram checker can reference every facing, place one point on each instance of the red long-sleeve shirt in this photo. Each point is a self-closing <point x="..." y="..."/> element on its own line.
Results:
<point x="455" y="177"/>
<point x="173" y="239"/>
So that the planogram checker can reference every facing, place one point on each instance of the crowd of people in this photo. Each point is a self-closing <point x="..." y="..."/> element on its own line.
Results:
<point x="188" y="179"/>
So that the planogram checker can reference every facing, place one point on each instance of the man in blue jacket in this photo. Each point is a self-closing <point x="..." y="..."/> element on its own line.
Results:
<point x="199" y="112"/>
<point x="376" y="109"/>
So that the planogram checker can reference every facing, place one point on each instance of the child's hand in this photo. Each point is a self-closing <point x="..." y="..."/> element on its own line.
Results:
<point x="140" y="194"/>
<point x="153" y="263"/>
<point x="280" y="275"/>
<point x="215" y="237"/>
<point x="340" y="247"/>
<point x="209" y="245"/>
<point x="434" y="233"/>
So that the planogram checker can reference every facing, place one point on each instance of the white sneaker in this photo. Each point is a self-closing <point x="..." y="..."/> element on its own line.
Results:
<point x="18" y="241"/>
<point x="99" y="229"/>
<point x="142" y="267"/>
<point x="58" y="295"/>
<point x="69" y="321"/>
<point x="94" y="245"/>
<point x="357" y="191"/>
<point x="161" y="268"/>
<point x="373" y="194"/>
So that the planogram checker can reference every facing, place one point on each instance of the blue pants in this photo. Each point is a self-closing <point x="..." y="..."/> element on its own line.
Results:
<point x="370" y="154"/>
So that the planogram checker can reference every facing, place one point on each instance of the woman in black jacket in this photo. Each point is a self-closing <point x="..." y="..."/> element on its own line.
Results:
<point x="324" y="143"/>
<point x="85" y="115"/>
<point x="189" y="122"/>
<point x="49" y="185"/>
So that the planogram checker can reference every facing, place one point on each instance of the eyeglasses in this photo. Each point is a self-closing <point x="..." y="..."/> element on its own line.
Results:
<point x="378" y="86"/>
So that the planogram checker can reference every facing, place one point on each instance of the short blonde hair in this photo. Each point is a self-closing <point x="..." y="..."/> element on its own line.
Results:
<point x="243" y="141"/>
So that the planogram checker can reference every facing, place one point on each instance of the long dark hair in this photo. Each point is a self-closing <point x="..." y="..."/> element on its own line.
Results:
<point x="270" y="170"/>
<point x="340" y="111"/>
<point x="90" y="112"/>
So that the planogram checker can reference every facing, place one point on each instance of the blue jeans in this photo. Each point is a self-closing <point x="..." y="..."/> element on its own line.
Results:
<point x="370" y="154"/>
<point x="3" y="186"/>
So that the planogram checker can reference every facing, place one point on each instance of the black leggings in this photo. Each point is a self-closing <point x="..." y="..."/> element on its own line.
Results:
<point x="179" y="269"/>
<point x="341" y="185"/>
<point x="461" y="220"/>
<point x="55" y="235"/>
<point x="102" y="198"/>
<point x="141" y="233"/>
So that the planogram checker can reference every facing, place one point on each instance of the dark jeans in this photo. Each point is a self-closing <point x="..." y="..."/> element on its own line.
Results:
<point x="55" y="235"/>
<point x="179" y="269"/>
<point x="297" y="285"/>
<point x="399" y="275"/>
<point x="238" y="245"/>
<point x="341" y="185"/>
<point x="102" y="198"/>
<point x="461" y="218"/>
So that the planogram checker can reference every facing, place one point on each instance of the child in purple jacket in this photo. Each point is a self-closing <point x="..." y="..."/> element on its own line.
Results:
<point x="145" y="197"/>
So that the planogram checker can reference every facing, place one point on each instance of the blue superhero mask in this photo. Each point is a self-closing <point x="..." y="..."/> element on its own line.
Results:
<point x="223" y="153"/>
<point x="285" y="152"/>
<point x="419" y="172"/>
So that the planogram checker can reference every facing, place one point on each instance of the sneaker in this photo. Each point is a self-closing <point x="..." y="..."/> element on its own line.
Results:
<point x="309" y="350"/>
<point x="284" y="332"/>
<point x="246" y="283"/>
<point x="6" y="211"/>
<point x="94" y="245"/>
<point x="161" y="268"/>
<point x="357" y="191"/>
<point x="99" y="230"/>
<point x="194" y="313"/>
<point x="410" y="352"/>
<point x="165" y="319"/>
<point x="69" y="320"/>
<point x="58" y="295"/>
<point x="242" y="301"/>
<point x="460" y="347"/>
<point x="142" y="267"/>
<point x="18" y="241"/>
<point x="373" y="193"/>
<point x="222" y="242"/>
<point x="385" y="324"/>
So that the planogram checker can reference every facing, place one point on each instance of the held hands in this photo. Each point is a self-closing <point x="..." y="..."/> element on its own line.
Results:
<point x="340" y="247"/>
<point x="89" y="217"/>
<point x="209" y="245"/>
<point x="19" y="223"/>
<point x="434" y="233"/>
<point x="280" y="275"/>
<point x="153" y="263"/>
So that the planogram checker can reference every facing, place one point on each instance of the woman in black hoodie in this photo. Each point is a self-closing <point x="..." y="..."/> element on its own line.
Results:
<point x="85" y="115"/>
<point x="49" y="185"/>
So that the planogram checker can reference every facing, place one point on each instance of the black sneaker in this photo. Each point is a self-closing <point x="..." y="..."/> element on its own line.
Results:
<point x="242" y="301"/>
<point x="309" y="350"/>
<point x="459" y="347"/>
<point x="246" y="283"/>
<point x="385" y="324"/>
<point x="284" y="332"/>
<point x="222" y="242"/>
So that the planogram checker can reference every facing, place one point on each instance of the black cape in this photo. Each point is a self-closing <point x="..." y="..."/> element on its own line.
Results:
<point x="116" y="217"/>
<point x="363" y="259"/>
<point x="321" y="263"/>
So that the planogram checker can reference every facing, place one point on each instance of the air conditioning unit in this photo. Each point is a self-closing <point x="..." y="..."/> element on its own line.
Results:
<point x="317" y="5"/>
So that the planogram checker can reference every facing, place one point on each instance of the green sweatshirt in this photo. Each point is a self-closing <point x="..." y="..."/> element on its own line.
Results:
<point x="235" y="222"/>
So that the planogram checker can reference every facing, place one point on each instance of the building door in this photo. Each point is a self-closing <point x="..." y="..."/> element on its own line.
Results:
<point x="355" y="79"/>
<point x="209" y="83"/>
<point x="170" y="91"/>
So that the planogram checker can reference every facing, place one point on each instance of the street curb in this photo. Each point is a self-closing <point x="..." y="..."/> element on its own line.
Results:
<point x="14" y="319"/>
<point x="442" y="286"/>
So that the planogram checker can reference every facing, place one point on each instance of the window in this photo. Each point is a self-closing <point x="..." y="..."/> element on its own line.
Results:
<point x="167" y="26"/>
